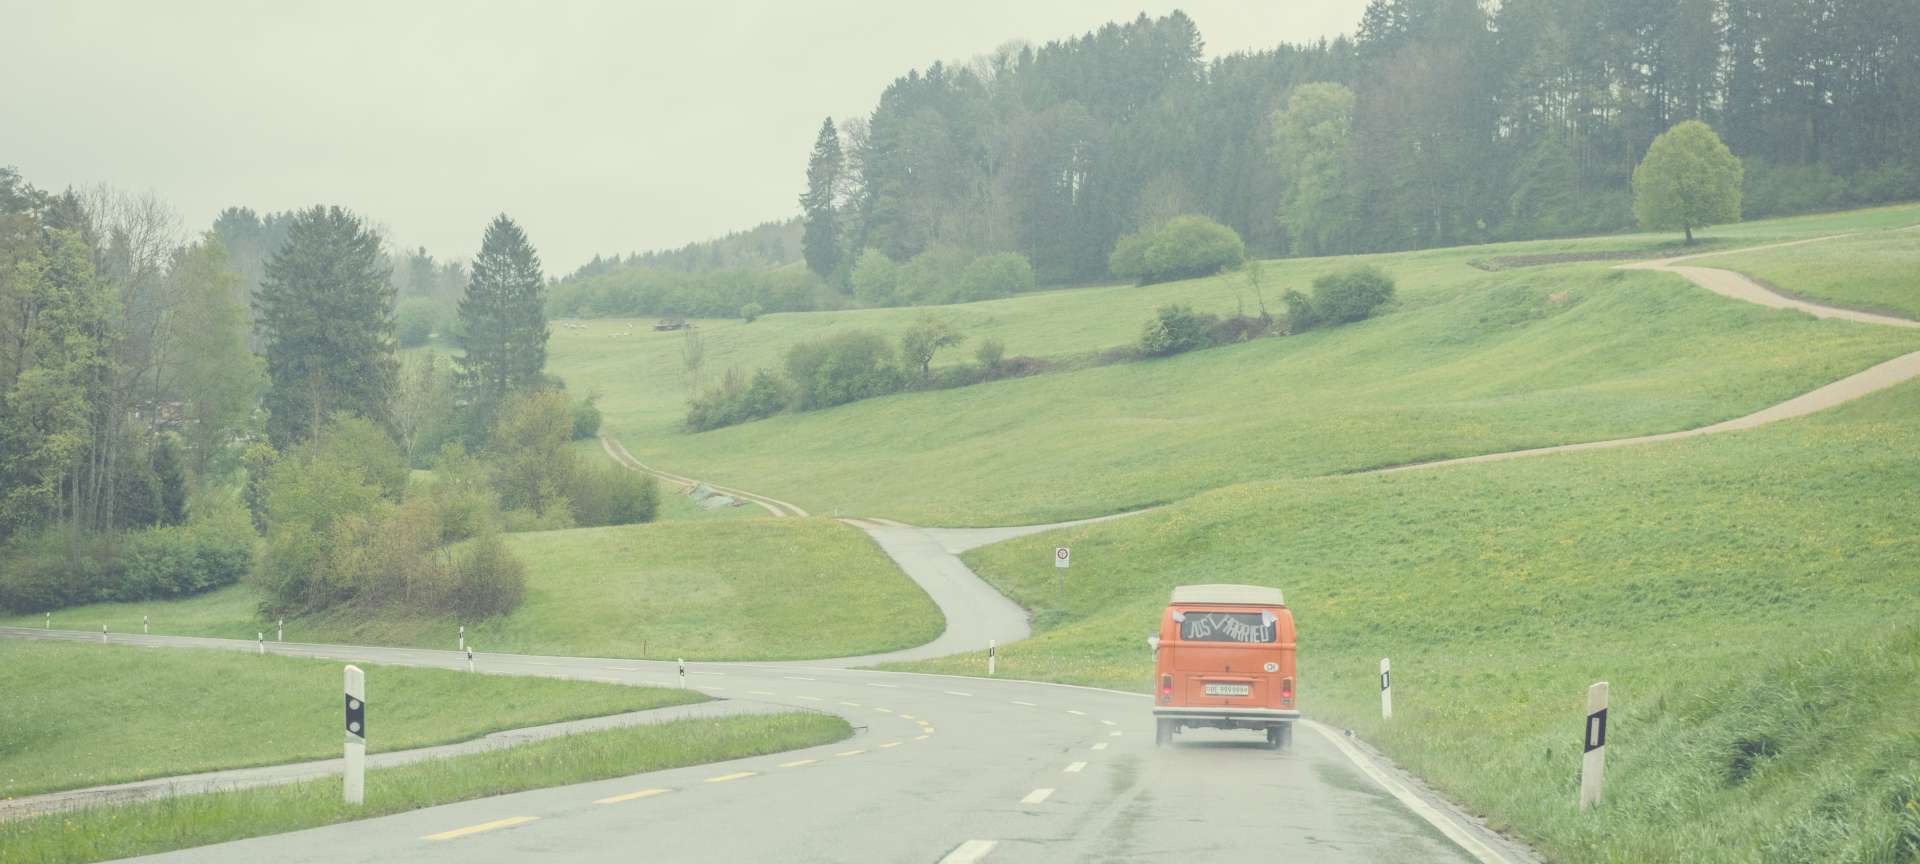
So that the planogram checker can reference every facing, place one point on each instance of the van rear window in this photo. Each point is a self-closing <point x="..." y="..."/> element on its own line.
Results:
<point x="1249" y="627"/>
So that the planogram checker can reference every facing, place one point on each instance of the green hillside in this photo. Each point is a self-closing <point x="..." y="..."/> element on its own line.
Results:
<point x="736" y="589"/>
<point x="1749" y="596"/>
<point x="1469" y="362"/>
<point x="1876" y="272"/>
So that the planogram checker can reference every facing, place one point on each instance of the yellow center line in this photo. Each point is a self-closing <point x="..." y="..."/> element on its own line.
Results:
<point x="798" y="762"/>
<point x="922" y="737"/>
<point x="889" y="744"/>
<point x="734" y="776"/>
<point x="644" y="793"/>
<point x="851" y="753"/>
<point x="929" y="729"/>
<point x="884" y="710"/>
<point x="484" y="826"/>
<point x="906" y="716"/>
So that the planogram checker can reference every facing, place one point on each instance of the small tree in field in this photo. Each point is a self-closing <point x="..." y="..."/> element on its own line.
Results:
<point x="1688" y="180"/>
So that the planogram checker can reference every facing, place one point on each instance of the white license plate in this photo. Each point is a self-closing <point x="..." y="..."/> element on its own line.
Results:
<point x="1227" y="689"/>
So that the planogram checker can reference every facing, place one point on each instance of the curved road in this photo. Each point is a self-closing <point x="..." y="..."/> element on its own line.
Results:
<point x="954" y="769"/>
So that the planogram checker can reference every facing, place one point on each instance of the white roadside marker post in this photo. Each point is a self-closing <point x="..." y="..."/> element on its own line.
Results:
<point x="49" y="620"/>
<point x="280" y="631"/>
<point x="1386" y="690"/>
<point x="463" y="637"/>
<point x="1593" y="762"/>
<point x="469" y="658"/>
<point x="103" y="632"/>
<point x="355" y="788"/>
<point x="683" y="673"/>
<point x="990" y="650"/>
<point x="143" y="625"/>
<point x="263" y="642"/>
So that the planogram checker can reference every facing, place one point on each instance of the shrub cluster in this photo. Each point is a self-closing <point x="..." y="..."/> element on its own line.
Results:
<point x="1186" y="247"/>
<point x="586" y="419"/>
<point x="1344" y="297"/>
<point x="939" y="275"/>
<point x="736" y="401"/>
<point x="1177" y="329"/>
<point x="60" y="567"/>
<point x="637" y="291"/>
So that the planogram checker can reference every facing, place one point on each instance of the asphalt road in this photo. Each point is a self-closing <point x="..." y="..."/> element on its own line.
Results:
<point x="1040" y="772"/>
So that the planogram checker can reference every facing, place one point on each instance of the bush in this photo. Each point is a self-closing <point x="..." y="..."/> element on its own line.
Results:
<point x="991" y="353"/>
<point x="633" y="291"/>
<point x="875" y="279"/>
<point x="586" y="418"/>
<point x="736" y="402"/>
<point x="532" y="461"/>
<point x="487" y="579"/>
<point x="55" y="568"/>
<point x="752" y="311"/>
<point x="1186" y="247"/>
<point x="998" y="275"/>
<point x="842" y="368"/>
<point x="609" y="494"/>
<point x="1176" y="329"/>
<point x="1300" y="315"/>
<point x="414" y="321"/>
<point x="933" y="276"/>
<point x="1350" y="295"/>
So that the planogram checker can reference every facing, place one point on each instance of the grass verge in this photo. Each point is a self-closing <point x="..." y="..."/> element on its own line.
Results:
<point x="120" y="713"/>
<point x="746" y="589"/>
<point x="197" y="820"/>
<point x="1749" y="597"/>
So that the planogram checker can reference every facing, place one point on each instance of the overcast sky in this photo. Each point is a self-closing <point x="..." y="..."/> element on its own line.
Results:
<point x="601" y="127"/>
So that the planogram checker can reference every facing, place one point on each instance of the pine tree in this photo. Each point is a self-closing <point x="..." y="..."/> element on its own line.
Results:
<point x="821" y="242"/>
<point x="325" y="307"/>
<point x="503" y="337"/>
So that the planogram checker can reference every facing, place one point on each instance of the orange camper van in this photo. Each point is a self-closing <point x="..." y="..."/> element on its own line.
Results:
<point x="1224" y="659"/>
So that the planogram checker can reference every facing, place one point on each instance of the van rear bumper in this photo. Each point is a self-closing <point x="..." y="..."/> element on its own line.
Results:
<point x="1235" y="716"/>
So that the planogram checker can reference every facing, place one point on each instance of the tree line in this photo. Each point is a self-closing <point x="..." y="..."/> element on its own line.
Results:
<point x="164" y="397"/>
<point x="1439" y="122"/>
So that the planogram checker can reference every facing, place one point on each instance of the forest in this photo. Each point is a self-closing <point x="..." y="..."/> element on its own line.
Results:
<point x="1439" y="122"/>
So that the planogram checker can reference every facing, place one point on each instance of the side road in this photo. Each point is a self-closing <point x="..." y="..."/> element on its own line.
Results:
<point x="274" y="775"/>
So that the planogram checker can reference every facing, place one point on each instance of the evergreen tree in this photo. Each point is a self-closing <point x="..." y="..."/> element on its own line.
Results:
<point x="503" y="338"/>
<point x="821" y="241"/>
<point x="325" y="308"/>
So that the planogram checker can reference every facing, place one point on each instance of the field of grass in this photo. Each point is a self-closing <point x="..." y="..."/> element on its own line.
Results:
<point x="1875" y="272"/>
<point x="123" y="713"/>
<point x="199" y="820"/>
<point x="1751" y="598"/>
<point x="1469" y="362"/>
<point x="727" y="589"/>
<point x="1513" y="360"/>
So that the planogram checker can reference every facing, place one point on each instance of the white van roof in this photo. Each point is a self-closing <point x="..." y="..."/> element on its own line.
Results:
<point x="1229" y="595"/>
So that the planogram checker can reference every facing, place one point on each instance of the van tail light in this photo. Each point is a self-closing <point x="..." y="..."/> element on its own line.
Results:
<point x="1166" y="689"/>
<point x="1286" y="691"/>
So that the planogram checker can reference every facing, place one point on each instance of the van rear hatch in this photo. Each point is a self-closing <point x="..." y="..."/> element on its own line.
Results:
<point x="1224" y="658"/>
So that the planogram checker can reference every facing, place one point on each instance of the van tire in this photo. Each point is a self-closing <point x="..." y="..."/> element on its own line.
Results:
<point x="1280" y="737"/>
<point x="1162" y="732"/>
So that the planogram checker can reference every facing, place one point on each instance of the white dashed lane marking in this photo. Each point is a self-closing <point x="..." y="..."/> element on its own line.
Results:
<point x="1036" y="796"/>
<point x="1100" y="746"/>
<point x="958" y="693"/>
<point x="970" y="852"/>
<point x="1028" y="704"/>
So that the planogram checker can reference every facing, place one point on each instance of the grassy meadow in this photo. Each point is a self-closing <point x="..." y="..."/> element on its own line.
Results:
<point x="1468" y="362"/>
<point x="148" y="828"/>
<point x="1874" y="272"/>
<point x="123" y="713"/>
<point x="722" y="589"/>
<point x="1751" y="598"/>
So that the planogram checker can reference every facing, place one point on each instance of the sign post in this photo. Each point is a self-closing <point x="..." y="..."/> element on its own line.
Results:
<point x="355" y="788"/>
<point x="1062" y="557"/>
<point x="991" y="645"/>
<point x="1386" y="690"/>
<point x="1593" y="762"/>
